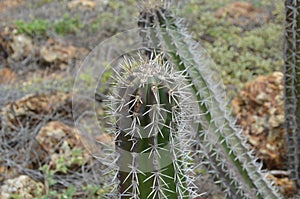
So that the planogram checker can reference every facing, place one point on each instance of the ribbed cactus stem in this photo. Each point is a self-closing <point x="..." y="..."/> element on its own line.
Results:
<point x="225" y="151"/>
<point x="292" y="86"/>
<point x="152" y="106"/>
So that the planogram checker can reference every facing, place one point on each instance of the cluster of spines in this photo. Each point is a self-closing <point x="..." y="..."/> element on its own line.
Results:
<point x="152" y="105"/>
<point x="292" y="86"/>
<point x="225" y="151"/>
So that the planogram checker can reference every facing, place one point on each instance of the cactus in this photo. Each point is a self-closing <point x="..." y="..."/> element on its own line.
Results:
<point x="226" y="152"/>
<point x="292" y="86"/>
<point x="168" y="106"/>
<point x="152" y="106"/>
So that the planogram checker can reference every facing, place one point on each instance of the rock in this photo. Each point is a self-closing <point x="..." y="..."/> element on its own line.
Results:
<point x="6" y="172"/>
<point x="6" y="35"/>
<point x="16" y="46"/>
<point x="286" y="187"/>
<point x="58" y="140"/>
<point x="59" y="54"/>
<point x="235" y="9"/>
<point x="31" y="156"/>
<point x="7" y="76"/>
<point x="30" y="117"/>
<point x="22" y="46"/>
<point x="6" y="4"/>
<point x="81" y="4"/>
<point x="243" y="14"/>
<point x="56" y="53"/>
<point x="259" y="109"/>
<point x="34" y="108"/>
<point x="23" y="186"/>
<point x="21" y="120"/>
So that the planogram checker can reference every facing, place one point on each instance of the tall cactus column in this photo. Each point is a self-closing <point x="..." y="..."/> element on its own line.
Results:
<point x="226" y="153"/>
<point x="292" y="86"/>
<point x="151" y="105"/>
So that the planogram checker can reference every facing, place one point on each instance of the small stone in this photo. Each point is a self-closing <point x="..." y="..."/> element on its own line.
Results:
<point x="22" y="46"/>
<point x="8" y="4"/>
<point x="59" y="54"/>
<point x="58" y="140"/>
<point x="261" y="97"/>
<point x="23" y="186"/>
<point x="242" y="14"/>
<point x="7" y="76"/>
<point x="81" y="4"/>
<point x="286" y="187"/>
<point x="34" y="107"/>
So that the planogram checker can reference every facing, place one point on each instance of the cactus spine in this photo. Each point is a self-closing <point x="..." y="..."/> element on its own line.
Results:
<point x="292" y="86"/>
<point x="225" y="151"/>
<point x="152" y="105"/>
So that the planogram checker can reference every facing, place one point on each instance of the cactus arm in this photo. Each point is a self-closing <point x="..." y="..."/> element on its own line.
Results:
<point x="212" y="155"/>
<point x="235" y="153"/>
<point x="292" y="86"/>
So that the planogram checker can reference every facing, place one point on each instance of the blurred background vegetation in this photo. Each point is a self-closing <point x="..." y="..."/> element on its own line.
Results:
<point x="243" y="45"/>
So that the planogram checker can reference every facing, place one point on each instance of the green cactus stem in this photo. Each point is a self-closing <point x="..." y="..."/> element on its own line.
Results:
<point x="152" y="106"/>
<point x="226" y="152"/>
<point x="292" y="86"/>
